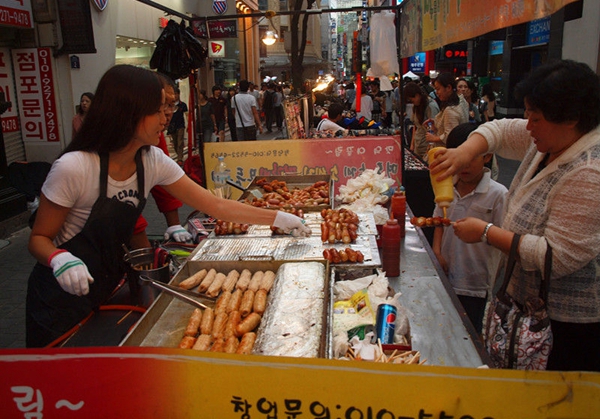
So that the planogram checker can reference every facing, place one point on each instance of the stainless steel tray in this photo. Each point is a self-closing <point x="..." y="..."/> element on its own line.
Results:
<point x="285" y="248"/>
<point x="313" y="220"/>
<point x="165" y="321"/>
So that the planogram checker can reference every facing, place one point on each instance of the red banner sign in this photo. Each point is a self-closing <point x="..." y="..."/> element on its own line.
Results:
<point x="36" y="94"/>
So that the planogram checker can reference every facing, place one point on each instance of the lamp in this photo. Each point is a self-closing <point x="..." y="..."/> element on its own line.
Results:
<point x="270" y="38"/>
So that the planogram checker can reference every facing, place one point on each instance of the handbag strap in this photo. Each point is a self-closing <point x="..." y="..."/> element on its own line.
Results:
<point x="510" y="266"/>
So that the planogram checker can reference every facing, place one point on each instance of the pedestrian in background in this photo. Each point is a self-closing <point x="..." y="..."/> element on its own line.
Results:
<point x="230" y="113"/>
<point x="208" y="123"/>
<point x="176" y="128"/>
<point x="245" y="110"/>
<point x="219" y="105"/>
<point x="82" y="109"/>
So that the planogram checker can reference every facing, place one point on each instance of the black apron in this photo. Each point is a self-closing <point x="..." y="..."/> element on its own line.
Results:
<point x="51" y="311"/>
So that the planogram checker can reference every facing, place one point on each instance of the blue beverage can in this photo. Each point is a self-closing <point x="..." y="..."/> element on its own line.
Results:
<point x="385" y="323"/>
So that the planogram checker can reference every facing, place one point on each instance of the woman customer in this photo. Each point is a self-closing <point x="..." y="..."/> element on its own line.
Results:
<point x="84" y="106"/>
<point x="94" y="194"/>
<point x="552" y="201"/>
<point x="454" y="110"/>
<point x="488" y="109"/>
<point x="467" y="89"/>
<point x="424" y="108"/>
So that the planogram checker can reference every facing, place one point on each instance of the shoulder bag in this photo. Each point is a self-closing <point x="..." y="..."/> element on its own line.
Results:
<point x="519" y="336"/>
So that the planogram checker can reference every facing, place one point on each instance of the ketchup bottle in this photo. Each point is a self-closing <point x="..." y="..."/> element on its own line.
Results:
<point x="390" y="248"/>
<point x="398" y="209"/>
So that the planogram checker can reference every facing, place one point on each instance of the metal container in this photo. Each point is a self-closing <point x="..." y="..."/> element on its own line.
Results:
<point x="140" y="262"/>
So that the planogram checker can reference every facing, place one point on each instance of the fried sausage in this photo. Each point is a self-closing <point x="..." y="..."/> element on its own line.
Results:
<point x="267" y="281"/>
<point x="235" y="301"/>
<point x="193" y="323"/>
<point x="256" y="280"/>
<point x="233" y="320"/>
<point x="194" y="280"/>
<point x="248" y="324"/>
<point x="218" y="346"/>
<point x="206" y="324"/>
<point x="230" y="281"/>
<point x="246" y="344"/>
<point x="231" y="345"/>
<point x="260" y="302"/>
<point x="219" y="325"/>
<point x="222" y="302"/>
<point x="202" y="343"/>
<point x="215" y="287"/>
<point x="187" y="342"/>
<point x="247" y="303"/>
<point x="207" y="281"/>
<point x="244" y="280"/>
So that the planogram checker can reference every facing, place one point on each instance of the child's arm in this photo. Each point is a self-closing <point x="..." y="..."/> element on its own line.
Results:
<point x="437" y="247"/>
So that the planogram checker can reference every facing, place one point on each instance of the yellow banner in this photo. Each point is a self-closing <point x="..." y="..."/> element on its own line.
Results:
<point x="431" y="24"/>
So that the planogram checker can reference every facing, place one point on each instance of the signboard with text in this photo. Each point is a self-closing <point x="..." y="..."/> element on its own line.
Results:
<point x="16" y="13"/>
<point x="35" y="94"/>
<point x="427" y="24"/>
<point x="10" y="118"/>
<point x="144" y="382"/>
<point x="215" y="29"/>
<point x="342" y="158"/>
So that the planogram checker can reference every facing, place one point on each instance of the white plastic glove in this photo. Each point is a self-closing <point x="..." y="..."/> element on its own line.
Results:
<point x="291" y="224"/>
<point x="71" y="273"/>
<point x="178" y="233"/>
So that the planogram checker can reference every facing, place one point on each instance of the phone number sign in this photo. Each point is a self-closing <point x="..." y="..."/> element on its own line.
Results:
<point x="36" y="95"/>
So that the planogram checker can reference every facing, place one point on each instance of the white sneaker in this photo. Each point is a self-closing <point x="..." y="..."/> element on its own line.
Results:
<point x="33" y="205"/>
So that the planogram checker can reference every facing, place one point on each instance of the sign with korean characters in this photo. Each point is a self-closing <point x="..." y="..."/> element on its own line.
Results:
<point x="429" y="24"/>
<point x="144" y="382"/>
<point x="35" y="94"/>
<point x="10" y="118"/>
<point x="342" y="158"/>
<point x="16" y="13"/>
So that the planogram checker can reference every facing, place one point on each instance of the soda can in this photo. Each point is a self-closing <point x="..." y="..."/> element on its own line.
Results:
<point x="385" y="323"/>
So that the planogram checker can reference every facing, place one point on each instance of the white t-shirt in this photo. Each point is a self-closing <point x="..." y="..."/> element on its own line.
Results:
<point x="328" y="125"/>
<point x="366" y="107"/>
<point x="243" y="103"/>
<point x="74" y="182"/>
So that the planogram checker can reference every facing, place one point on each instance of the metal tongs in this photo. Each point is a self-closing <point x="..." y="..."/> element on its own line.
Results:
<point x="187" y="296"/>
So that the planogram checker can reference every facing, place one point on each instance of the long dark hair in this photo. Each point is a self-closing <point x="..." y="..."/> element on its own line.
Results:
<point x="474" y="97"/>
<point x="411" y="90"/>
<point x="90" y="96"/>
<point x="447" y="79"/>
<point x="487" y="91"/>
<point x="125" y="95"/>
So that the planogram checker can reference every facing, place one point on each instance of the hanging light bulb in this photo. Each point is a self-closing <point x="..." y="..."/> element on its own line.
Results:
<point x="270" y="38"/>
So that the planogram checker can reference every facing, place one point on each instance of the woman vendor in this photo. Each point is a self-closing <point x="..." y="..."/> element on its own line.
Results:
<point x="94" y="194"/>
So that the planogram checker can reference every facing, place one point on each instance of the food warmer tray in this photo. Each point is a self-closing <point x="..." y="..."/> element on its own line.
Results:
<point x="164" y="323"/>
<point x="313" y="220"/>
<point x="292" y="181"/>
<point x="286" y="248"/>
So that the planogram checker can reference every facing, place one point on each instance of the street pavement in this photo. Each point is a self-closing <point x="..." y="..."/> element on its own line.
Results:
<point x="16" y="262"/>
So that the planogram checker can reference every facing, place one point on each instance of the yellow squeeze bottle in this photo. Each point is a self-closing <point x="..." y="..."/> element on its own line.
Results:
<point x="443" y="190"/>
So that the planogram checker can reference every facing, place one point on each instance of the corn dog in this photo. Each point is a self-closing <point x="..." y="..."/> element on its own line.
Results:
<point x="246" y="344"/>
<point x="255" y="281"/>
<point x="231" y="345"/>
<point x="230" y="281"/>
<point x="244" y="280"/>
<point x="187" y="342"/>
<point x="216" y="285"/>
<point x="194" y="280"/>
<point x="218" y="346"/>
<point x="248" y="324"/>
<point x="247" y="303"/>
<point x="202" y="343"/>
<point x="193" y="323"/>
<point x="267" y="281"/>
<point x="222" y="302"/>
<point x="207" y="281"/>
<point x="231" y="326"/>
<point x="260" y="302"/>
<point x="206" y="324"/>
<point x="235" y="301"/>
<point x="219" y="325"/>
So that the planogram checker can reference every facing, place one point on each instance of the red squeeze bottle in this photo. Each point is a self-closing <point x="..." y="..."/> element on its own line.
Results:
<point x="398" y="209"/>
<point x="390" y="248"/>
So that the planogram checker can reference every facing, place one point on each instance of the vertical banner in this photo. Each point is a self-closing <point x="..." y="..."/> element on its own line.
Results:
<point x="429" y="24"/>
<point x="10" y="119"/>
<point x="16" y="13"/>
<point x="35" y="94"/>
